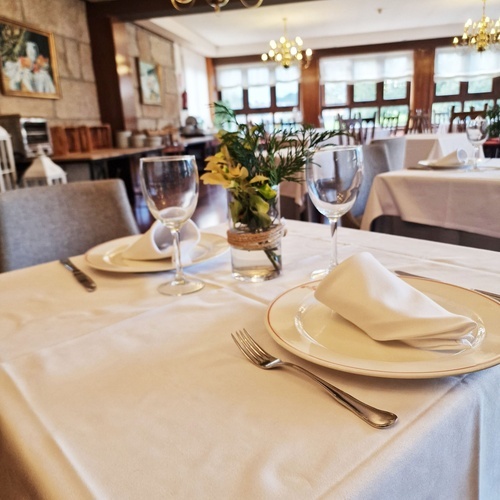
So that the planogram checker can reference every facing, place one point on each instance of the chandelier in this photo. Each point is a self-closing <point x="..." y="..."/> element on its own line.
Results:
<point x="480" y="34"/>
<point x="216" y="4"/>
<point x="287" y="52"/>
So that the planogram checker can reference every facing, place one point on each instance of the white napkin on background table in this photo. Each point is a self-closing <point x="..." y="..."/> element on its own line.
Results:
<point x="456" y="158"/>
<point x="157" y="242"/>
<point x="385" y="307"/>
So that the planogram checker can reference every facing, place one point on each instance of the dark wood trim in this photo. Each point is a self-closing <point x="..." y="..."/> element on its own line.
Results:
<point x="136" y="10"/>
<point x="106" y="76"/>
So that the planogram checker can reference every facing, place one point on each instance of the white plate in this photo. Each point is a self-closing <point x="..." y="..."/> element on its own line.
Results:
<point x="108" y="256"/>
<point x="431" y="165"/>
<point x="307" y="328"/>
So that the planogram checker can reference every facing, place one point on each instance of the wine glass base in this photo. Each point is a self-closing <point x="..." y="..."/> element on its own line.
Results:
<point x="183" y="287"/>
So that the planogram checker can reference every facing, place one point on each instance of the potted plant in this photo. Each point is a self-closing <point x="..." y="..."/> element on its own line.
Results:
<point x="250" y="165"/>
<point x="494" y="116"/>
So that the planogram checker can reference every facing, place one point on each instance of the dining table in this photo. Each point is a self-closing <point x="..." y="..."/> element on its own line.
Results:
<point x="453" y="199"/>
<point x="124" y="393"/>
<point x="432" y="146"/>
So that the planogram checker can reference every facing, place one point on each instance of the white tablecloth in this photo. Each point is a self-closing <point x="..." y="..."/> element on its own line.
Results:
<point x="454" y="199"/>
<point x="434" y="146"/>
<point x="126" y="393"/>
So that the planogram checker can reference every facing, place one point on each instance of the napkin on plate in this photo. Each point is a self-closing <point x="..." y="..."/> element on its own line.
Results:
<point x="456" y="158"/>
<point x="157" y="243"/>
<point x="386" y="308"/>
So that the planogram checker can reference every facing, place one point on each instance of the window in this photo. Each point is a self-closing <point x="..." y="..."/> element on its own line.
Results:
<point x="232" y="97"/>
<point x="366" y="85"/>
<point x="480" y="86"/>
<point x="261" y="93"/>
<point x="464" y="80"/>
<point x="394" y="89"/>
<point x="364" y="92"/>
<point x="448" y="88"/>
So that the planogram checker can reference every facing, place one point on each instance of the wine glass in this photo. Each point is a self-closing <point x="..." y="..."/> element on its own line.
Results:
<point x="170" y="187"/>
<point x="477" y="133"/>
<point x="333" y="177"/>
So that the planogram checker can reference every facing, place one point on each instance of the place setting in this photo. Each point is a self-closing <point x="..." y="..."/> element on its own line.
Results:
<point x="364" y="319"/>
<point x="170" y="187"/>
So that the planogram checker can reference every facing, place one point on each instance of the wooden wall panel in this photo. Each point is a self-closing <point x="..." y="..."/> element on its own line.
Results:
<point x="423" y="79"/>
<point x="310" y="98"/>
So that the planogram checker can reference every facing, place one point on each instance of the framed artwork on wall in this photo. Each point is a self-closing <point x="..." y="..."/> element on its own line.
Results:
<point x="149" y="82"/>
<point x="27" y="61"/>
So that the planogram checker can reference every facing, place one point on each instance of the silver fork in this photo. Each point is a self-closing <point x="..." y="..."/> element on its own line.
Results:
<point x="259" y="357"/>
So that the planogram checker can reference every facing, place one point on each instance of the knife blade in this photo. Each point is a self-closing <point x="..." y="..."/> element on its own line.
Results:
<point x="87" y="282"/>
<point x="493" y="295"/>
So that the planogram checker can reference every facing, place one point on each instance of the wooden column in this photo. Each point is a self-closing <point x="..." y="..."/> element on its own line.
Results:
<point x="423" y="79"/>
<point x="310" y="98"/>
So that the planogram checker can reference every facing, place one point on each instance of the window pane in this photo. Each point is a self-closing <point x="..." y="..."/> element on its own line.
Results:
<point x="232" y="97"/>
<point x="478" y="86"/>
<point x="330" y="117"/>
<point x="364" y="112"/>
<point x="394" y="89"/>
<point x="447" y="87"/>
<point x="439" y="109"/>
<point x="287" y="94"/>
<point x="284" y="120"/>
<point x="335" y="94"/>
<point x="400" y="111"/>
<point x="478" y="105"/>
<point x="265" y="118"/>
<point x="365" y="91"/>
<point x="259" y="97"/>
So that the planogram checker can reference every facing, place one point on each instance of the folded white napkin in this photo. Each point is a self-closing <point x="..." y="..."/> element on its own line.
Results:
<point x="456" y="158"/>
<point x="157" y="243"/>
<point x="364" y="292"/>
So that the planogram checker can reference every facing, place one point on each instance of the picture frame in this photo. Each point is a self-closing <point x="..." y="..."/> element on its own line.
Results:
<point x="28" y="63"/>
<point x="149" y="82"/>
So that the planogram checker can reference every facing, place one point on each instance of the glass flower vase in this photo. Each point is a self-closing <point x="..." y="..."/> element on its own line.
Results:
<point x="256" y="253"/>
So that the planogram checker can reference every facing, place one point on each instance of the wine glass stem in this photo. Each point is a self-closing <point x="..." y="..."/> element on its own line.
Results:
<point x="476" y="156"/>
<point x="179" y="274"/>
<point x="333" y="229"/>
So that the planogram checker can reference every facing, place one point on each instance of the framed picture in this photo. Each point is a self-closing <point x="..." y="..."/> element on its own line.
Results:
<point x="28" y="61"/>
<point x="149" y="82"/>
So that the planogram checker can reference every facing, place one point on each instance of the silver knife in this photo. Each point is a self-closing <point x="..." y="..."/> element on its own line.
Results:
<point x="493" y="295"/>
<point x="87" y="282"/>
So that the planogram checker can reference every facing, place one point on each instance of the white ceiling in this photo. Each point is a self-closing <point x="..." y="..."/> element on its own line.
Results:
<point x="323" y="24"/>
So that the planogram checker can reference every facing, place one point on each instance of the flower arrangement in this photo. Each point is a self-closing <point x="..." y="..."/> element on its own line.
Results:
<point x="252" y="163"/>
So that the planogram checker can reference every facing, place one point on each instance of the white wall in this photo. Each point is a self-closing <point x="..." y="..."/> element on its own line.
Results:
<point x="192" y="77"/>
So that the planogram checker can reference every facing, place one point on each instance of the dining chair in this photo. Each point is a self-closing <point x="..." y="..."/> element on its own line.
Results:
<point x="459" y="119"/>
<point x="352" y="129"/>
<point x="419" y="122"/>
<point x="8" y="175"/>
<point x="390" y="123"/>
<point x="46" y="223"/>
<point x="375" y="161"/>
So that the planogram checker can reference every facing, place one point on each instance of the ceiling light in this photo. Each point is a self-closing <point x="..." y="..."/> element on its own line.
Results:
<point x="480" y="35"/>
<point x="287" y="52"/>
<point x="216" y="4"/>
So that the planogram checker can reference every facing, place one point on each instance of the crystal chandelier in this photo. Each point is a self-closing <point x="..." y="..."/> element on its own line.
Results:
<point x="216" y="4"/>
<point x="287" y="52"/>
<point x="480" y="34"/>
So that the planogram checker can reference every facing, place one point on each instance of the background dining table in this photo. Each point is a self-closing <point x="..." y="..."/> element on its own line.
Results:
<point x="458" y="199"/>
<point x="434" y="146"/>
<point x="126" y="393"/>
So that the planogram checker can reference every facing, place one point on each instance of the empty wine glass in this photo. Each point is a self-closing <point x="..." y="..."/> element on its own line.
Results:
<point x="477" y="133"/>
<point x="170" y="187"/>
<point x="333" y="177"/>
